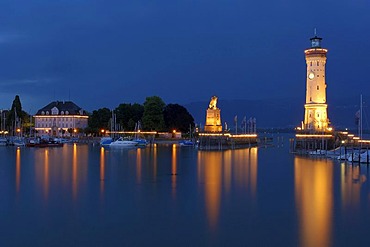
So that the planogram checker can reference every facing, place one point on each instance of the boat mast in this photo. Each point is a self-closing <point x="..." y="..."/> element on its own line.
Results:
<point x="360" y="123"/>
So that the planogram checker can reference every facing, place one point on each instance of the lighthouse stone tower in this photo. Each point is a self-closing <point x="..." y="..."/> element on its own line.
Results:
<point x="316" y="117"/>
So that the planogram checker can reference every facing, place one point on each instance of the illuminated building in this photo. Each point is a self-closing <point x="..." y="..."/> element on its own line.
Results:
<point x="58" y="117"/>
<point x="316" y="117"/>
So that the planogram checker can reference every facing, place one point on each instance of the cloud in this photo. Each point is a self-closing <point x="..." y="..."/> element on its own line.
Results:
<point x="25" y="82"/>
<point x="25" y="86"/>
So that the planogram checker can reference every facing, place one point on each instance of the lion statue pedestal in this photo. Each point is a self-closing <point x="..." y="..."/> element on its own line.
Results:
<point x="213" y="119"/>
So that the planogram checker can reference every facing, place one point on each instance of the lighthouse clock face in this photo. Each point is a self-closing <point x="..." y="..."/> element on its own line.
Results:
<point x="311" y="75"/>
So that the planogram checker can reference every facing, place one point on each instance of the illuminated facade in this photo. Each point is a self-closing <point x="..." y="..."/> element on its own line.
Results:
<point x="58" y="117"/>
<point x="316" y="117"/>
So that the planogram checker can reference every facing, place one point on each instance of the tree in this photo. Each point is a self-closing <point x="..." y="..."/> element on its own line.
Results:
<point x="128" y="115"/>
<point x="153" y="114"/>
<point x="99" y="119"/>
<point x="177" y="117"/>
<point x="16" y="117"/>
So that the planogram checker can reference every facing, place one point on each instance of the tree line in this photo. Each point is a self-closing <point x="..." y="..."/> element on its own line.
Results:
<point x="154" y="115"/>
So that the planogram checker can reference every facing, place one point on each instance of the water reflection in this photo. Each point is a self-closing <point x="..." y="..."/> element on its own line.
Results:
<point x="18" y="169"/>
<point x="154" y="161"/>
<point x="65" y="167"/>
<point x="314" y="200"/>
<point x="42" y="170"/>
<point x="102" y="170"/>
<point x="220" y="171"/>
<point x="46" y="173"/>
<point x="74" y="171"/>
<point x="351" y="182"/>
<point x="138" y="165"/>
<point x="174" y="169"/>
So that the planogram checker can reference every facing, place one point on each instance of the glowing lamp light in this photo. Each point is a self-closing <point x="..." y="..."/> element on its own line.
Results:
<point x="75" y="130"/>
<point x="174" y="131"/>
<point x="330" y="128"/>
<point x="18" y="130"/>
<point x="102" y="131"/>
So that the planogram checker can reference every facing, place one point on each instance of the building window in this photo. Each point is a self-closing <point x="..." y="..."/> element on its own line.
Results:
<point x="54" y="111"/>
<point x="318" y="88"/>
<point x="318" y="63"/>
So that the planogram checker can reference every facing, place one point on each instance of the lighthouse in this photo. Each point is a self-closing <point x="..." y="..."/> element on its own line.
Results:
<point x="316" y="116"/>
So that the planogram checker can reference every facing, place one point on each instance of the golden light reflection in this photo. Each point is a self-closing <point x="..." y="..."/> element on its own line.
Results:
<point x="154" y="155"/>
<point x="253" y="161"/>
<point x="313" y="180"/>
<point x="227" y="170"/>
<point x="218" y="172"/>
<point x="102" y="170"/>
<point x="210" y="165"/>
<point x="174" y="169"/>
<point x="46" y="173"/>
<point x="139" y="165"/>
<point x="74" y="171"/>
<point x="17" y="169"/>
<point x="351" y="182"/>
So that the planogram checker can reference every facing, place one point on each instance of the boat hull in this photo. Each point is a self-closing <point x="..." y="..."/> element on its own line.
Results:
<point x="123" y="144"/>
<point x="44" y="145"/>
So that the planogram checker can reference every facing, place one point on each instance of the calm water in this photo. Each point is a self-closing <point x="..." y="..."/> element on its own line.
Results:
<point x="177" y="196"/>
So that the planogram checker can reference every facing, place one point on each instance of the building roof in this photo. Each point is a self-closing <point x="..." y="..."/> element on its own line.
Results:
<point x="61" y="108"/>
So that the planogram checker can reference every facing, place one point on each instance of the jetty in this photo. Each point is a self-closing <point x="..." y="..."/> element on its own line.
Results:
<point x="222" y="141"/>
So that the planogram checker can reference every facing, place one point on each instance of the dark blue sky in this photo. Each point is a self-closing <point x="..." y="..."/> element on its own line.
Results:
<point x="103" y="53"/>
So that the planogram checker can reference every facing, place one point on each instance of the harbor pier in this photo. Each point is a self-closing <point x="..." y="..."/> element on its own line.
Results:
<point x="224" y="141"/>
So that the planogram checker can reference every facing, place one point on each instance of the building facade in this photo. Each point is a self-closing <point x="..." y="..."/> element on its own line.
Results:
<point x="316" y="117"/>
<point x="60" y="118"/>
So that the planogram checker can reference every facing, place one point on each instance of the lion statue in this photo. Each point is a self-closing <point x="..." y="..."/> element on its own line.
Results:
<point x="213" y="103"/>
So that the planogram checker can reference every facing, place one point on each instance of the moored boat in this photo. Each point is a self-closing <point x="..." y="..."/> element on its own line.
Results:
<point x="141" y="142"/>
<point x="188" y="143"/>
<point x="19" y="142"/>
<point x="123" y="143"/>
<point x="42" y="143"/>
<point x="105" y="141"/>
<point x="3" y="141"/>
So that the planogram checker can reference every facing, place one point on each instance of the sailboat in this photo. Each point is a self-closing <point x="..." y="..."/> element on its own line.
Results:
<point x="188" y="143"/>
<point x="140" y="141"/>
